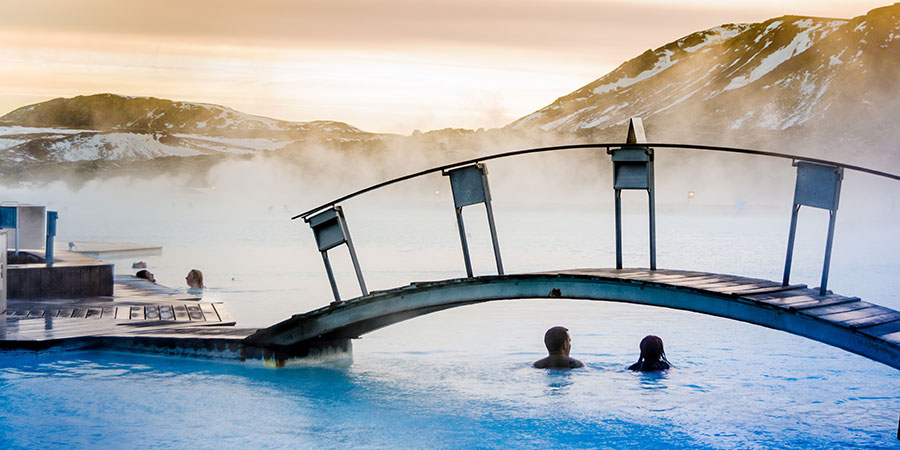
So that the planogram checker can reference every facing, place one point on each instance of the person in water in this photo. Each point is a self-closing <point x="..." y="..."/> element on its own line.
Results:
<point x="194" y="279"/>
<point x="558" y="345"/>
<point x="146" y="274"/>
<point x="653" y="356"/>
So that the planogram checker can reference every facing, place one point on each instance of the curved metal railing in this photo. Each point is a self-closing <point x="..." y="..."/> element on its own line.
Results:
<point x="818" y="185"/>
<point x="607" y="146"/>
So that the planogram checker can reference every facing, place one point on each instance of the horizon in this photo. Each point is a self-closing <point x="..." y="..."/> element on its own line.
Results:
<point x="394" y="67"/>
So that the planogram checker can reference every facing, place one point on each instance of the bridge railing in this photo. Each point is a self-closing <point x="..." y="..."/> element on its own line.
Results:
<point x="818" y="185"/>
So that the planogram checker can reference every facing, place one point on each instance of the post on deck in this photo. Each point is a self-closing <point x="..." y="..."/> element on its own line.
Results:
<point x="818" y="186"/>
<point x="3" y="283"/>
<point x="52" y="216"/>
<point x="330" y="230"/>
<point x="9" y="218"/>
<point x="470" y="187"/>
<point x="633" y="169"/>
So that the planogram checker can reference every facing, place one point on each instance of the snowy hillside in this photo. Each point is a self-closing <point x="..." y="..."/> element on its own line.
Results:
<point x="789" y="76"/>
<point x="113" y="127"/>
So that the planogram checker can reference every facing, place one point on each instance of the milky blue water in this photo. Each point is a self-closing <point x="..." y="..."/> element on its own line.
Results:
<point x="462" y="378"/>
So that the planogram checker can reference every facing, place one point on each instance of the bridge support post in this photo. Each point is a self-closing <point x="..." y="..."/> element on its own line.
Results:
<point x="470" y="187"/>
<point x="330" y="230"/>
<point x="633" y="169"/>
<point x="618" y="195"/>
<point x="790" y="250"/>
<point x="818" y="186"/>
<point x="460" y="224"/>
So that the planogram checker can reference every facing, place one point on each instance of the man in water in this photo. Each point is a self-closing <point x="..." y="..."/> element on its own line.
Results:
<point x="146" y="274"/>
<point x="558" y="346"/>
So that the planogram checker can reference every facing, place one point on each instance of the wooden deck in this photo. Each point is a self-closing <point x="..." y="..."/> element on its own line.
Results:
<point x="140" y="312"/>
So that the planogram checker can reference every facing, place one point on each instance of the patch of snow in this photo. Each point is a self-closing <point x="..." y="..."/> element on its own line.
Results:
<point x="717" y="36"/>
<point x="244" y="143"/>
<point x="595" y="122"/>
<point x="860" y="27"/>
<point x="554" y="124"/>
<point x="662" y="63"/>
<point x="14" y="130"/>
<point x="527" y="119"/>
<point x="836" y="59"/>
<point x="769" y="28"/>
<point x="115" y="146"/>
<point x="737" y="123"/>
<point x="804" y="23"/>
<point x="8" y="143"/>
<point x="801" y="42"/>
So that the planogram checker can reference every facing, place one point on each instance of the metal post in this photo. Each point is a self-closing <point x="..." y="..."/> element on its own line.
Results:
<point x="790" y="249"/>
<point x="334" y="288"/>
<point x="470" y="186"/>
<point x="359" y="275"/>
<point x="330" y="230"/>
<point x="3" y="284"/>
<point x="463" y="241"/>
<point x="490" y="215"/>
<point x="51" y="233"/>
<point x="832" y="219"/>
<point x="652" y="198"/>
<point x="618" y="229"/>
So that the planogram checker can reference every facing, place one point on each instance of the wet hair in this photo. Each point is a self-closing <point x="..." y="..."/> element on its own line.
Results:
<point x="145" y="274"/>
<point x="555" y="337"/>
<point x="653" y="356"/>
<point x="198" y="275"/>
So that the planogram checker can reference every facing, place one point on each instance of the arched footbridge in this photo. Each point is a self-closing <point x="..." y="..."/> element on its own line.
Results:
<point x="845" y="322"/>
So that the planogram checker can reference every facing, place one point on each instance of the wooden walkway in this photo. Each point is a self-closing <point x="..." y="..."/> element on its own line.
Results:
<point x="140" y="312"/>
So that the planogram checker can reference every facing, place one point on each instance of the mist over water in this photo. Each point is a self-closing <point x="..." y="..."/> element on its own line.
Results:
<point x="461" y="378"/>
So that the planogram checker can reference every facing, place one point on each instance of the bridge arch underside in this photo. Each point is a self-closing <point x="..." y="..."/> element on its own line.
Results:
<point x="354" y="318"/>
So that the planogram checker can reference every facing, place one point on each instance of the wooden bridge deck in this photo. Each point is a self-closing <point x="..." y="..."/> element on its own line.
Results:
<point x="846" y="322"/>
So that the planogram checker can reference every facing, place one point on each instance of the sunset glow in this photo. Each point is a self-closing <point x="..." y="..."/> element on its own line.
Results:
<point x="382" y="66"/>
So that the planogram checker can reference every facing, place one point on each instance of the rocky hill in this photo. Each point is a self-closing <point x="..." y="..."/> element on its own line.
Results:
<point x="114" y="127"/>
<point x="830" y="86"/>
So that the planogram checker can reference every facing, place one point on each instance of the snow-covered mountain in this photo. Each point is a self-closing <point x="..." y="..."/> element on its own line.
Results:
<point x="796" y="84"/>
<point x="113" y="127"/>
<point x="790" y="78"/>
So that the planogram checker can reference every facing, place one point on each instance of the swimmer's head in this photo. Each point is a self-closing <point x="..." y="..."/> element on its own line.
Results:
<point x="146" y="274"/>
<point x="557" y="340"/>
<point x="652" y="348"/>
<point x="194" y="279"/>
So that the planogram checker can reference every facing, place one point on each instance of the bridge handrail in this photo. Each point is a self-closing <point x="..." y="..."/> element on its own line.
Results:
<point x="596" y="145"/>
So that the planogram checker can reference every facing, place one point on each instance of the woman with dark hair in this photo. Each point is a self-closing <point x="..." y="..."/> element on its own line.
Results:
<point x="146" y="274"/>
<point x="653" y="357"/>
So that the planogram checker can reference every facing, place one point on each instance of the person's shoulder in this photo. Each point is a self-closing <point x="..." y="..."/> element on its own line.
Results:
<point x="541" y="363"/>
<point x="575" y="364"/>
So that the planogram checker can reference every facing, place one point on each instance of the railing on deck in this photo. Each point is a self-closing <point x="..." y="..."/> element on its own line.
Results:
<point x="818" y="185"/>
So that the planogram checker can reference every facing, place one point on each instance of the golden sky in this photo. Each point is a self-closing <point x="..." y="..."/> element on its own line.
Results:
<point x="384" y="66"/>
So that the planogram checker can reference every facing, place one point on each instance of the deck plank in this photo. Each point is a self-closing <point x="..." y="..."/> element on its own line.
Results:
<point x="209" y="312"/>
<point x="850" y="316"/>
<point x="835" y="309"/>
<point x="888" y="316"/>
